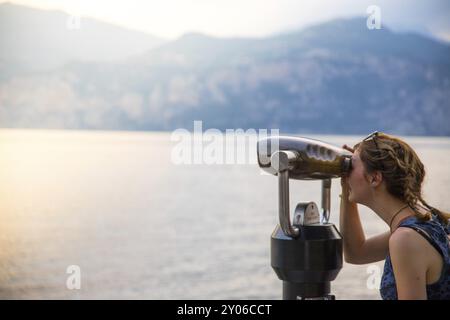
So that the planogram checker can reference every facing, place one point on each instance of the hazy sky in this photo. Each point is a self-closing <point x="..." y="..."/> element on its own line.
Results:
<point x="172" y="18"/>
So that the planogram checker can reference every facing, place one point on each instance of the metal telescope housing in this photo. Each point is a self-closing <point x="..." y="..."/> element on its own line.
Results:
<point x="306" y="254"/>
<point x="306" y="159"/>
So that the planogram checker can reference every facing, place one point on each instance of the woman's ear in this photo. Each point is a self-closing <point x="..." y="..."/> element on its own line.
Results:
<point x="376" y="179"/>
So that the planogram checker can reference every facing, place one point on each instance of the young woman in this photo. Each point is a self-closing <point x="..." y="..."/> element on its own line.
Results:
<point x="387" y="177"/>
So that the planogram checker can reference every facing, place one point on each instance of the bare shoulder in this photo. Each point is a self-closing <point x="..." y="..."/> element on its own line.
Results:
<point x="406" y="241"/>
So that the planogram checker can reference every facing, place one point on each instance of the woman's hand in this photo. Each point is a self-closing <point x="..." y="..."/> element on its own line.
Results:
<point x="344" y="186"/>
<point x="344" y="179"/>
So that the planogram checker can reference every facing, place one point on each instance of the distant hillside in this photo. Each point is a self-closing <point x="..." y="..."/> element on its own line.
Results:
<point x="40" y="39"/>
<point x="337" y="77"/>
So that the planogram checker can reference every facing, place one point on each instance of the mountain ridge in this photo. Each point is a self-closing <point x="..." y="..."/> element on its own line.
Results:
<point x="336" y="77"/>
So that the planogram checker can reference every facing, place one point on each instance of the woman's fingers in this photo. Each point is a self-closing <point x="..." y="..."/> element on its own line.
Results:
<point x="344" y="186"/>
<point x="346" y="147"/>
<point x="343" y="181"/>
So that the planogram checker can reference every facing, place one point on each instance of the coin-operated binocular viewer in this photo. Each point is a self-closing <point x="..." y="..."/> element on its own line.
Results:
<point x="306" y="254"/>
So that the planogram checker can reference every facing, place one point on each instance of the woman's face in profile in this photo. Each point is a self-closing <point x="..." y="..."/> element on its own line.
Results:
<point x="359" y="187"/>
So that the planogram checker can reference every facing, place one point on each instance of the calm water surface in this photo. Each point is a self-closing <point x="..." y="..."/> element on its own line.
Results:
<point x="141" y="227"/>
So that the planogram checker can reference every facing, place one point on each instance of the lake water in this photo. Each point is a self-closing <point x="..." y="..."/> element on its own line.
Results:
<point x="141" y="227"/>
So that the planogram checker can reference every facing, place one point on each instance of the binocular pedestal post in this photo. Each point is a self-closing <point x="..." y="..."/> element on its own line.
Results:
<point x="306" y="256"/>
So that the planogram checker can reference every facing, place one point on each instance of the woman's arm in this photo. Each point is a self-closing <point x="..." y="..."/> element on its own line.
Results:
<point x="357" y="249"/>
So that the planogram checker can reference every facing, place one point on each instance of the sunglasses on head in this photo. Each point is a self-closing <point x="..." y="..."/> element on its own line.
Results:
<point x="373" y="136"/>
